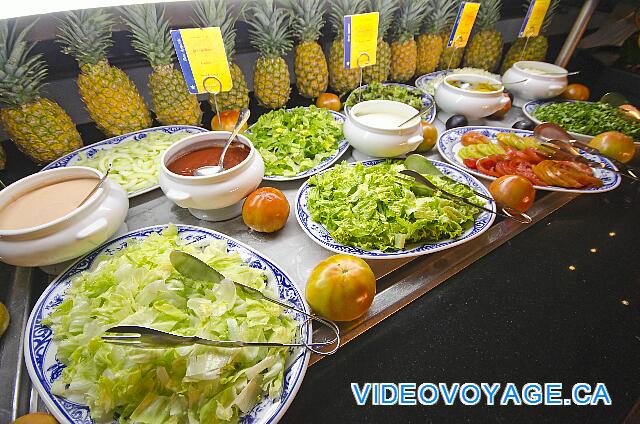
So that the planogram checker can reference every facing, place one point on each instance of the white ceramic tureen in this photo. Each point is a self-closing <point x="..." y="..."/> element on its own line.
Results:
<point x="70" y="236"/>
<point x="472" y="104"/>
<point x="529" y="80"/>
<point x="372" y="128"/>
<point x="213" y="197"/>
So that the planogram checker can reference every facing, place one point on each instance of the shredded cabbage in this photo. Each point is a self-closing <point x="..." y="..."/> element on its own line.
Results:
<point x="371" y="208"/>
<point x="191" y="384"/>
<point x="134" y="163"/>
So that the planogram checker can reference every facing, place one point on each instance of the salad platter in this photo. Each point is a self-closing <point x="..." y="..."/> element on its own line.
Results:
<point x="297" y="143"/>
<point x="471" y="226"/>
<point x="50" y="336"/>
<point x="133" y="157"/>
<point x="403" y="93"/>
<point x="450" y="145"/>
<point x="583" y="120"/>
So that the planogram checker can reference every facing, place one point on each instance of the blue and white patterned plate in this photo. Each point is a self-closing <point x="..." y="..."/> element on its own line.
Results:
<point x="319" y="234"/>
<point x="529" y="109"/>
<point x="343" y="145"/>
<point x="449" y="144"/>
<point x="40" y="350"/>
<point x="427" y="99"/>
<point x="72" y="158"/>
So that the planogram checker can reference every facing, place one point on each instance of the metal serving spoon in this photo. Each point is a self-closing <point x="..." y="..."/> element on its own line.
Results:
<point x="100" y="184"/>
<point x="216" y="169"/>
<point x="548" y="131"/>
<point x="565" y="151"/>
<point x="420" y="114"/>
<point x="503" y="210"/>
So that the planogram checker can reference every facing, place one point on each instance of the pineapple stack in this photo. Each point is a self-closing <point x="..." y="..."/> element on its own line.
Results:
<point x="39" y="127"/>
<point x="269" y="33"/>
<point x="342" y="80"/>
<point x="112" y="100"/>
<point x="536" y="46"/>
<point x="485" y="47"/>
<point x="432" y="41"/>
<point x="380" y="71"/>
<point x="404" y="51"/>
<point x="216" y="13"/>
<point x="171" y="100"/>
<point x="310" y="65"/>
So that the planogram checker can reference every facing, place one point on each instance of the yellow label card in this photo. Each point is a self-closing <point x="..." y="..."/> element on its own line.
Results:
<point x="360" y="40"/>
<point x="202" y="57"/>
<point x="463" y="24"/>
<point x="534" y="19"/>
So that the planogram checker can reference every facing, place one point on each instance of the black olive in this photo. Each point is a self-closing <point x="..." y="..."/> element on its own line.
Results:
<point x="524" y="124"/>
<point x="510" y="95"/>
<point x="456" y="121"/>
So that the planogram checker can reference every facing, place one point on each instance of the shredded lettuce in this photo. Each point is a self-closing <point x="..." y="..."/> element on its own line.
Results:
<point x="191" y="384"/>
<point x="294" y="141"/>
<point x="371" y="208"/>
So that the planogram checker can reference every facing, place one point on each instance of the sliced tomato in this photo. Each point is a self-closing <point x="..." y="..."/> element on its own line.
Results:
<point x="473" y="137"/>
<point x="566" y="174"/>
<point x="533" y="155"/>
<point x="487" y="166"/>
<point x="470" y="163"/>
<point x="524" y="169"/>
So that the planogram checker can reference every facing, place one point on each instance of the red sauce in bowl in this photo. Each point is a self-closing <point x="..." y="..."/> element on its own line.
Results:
<point x="186" y="164"/>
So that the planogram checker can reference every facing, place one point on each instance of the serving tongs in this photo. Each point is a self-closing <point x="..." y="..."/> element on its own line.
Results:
<point x="555" y="135"/>
<point x="192" y="267"/>
<point x="502" y="209"/>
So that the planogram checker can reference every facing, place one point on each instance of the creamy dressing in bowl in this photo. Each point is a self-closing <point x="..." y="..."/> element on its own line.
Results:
<point x="45" y="204"/>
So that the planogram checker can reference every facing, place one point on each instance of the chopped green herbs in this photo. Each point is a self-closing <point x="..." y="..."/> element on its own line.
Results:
<point x="378" y="91"/>
<point x="588" y="118"/>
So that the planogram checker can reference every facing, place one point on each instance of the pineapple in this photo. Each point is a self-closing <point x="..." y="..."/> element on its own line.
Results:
<point x="112" y="100"/>
<point x="450" y="57"/>
<point x="216" y="13"/>
<point x="171" y="100"/>
<point x="310" y="65"/>
<point x="342" y="80"/>
<point x="39" y="127"/>
<point x="485" y="46"/>
<point x="380" y="71"/>
<point x="431" y="42"/>
<point x="404" y="51"/>
<point x="536" y="46"/>
<point x="269" y="33"/>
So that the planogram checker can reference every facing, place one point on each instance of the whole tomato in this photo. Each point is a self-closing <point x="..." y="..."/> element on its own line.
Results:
<point x="228" y="119"/>
<point x="514" y="191"/>
<point x="329" y="101"/>
<point x="430" y="135"/>
<point x="265" y="210"/>
<point x="614" y="144"/>
<point x="341" y="288"/>
<point x="576" y="92"/>
<point x="36" y="418"/>
<point x="502" y="112"/>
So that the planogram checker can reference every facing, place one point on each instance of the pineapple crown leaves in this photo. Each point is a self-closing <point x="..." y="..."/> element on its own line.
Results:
<point x="150" y="33"/>
<point x="307" y="18"/>
<point x="488" y="14"/>
<point x="217" y="13"/>
<point x="340" y="8"/>
<point x="269" y="29"/>
<point x="86" y="35"/>
<point x="548" y="18"/>
<point x="439" y="16"/>
<point x="21" y="75"/>
<point x="386" y="10"/>
<point x="409" y="18"/>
